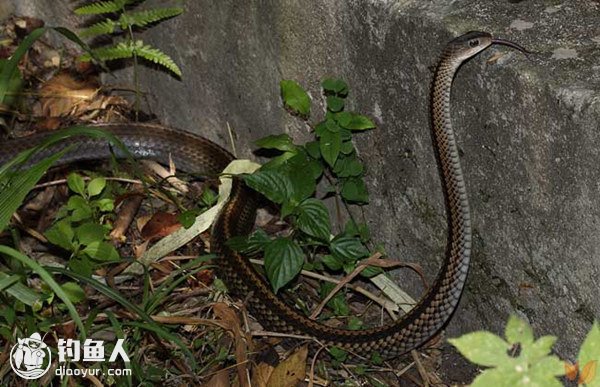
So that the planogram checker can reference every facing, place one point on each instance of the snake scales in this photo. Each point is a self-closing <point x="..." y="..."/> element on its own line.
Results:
<point x="197" y="155"/>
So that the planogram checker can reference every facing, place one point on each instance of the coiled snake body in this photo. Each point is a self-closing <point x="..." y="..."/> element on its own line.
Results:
<point x="195" y="154"/>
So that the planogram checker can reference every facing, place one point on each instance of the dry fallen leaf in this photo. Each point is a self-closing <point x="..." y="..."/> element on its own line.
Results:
<point x="160" y="225"/>
<point x="588" y="372"/>
<point x="64" y="95"/>
<point x="220" y="379"/>
<point x="571" y="370"/>
<point x="261" y="374"/>
<point x="290" y="371"/>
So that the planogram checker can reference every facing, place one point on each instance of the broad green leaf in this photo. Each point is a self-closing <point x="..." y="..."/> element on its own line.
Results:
<point x="80" y="208"/>
<point x="335" y="85"/>
<point x="360" y="230"/>
<point x="101" y="251"/>
<point x="313" y="219"/>
<point x="105" y="204"/>
<point x="590" y="351"/>
<point x="96" y="186"/>
<point x="483" y="348"/>
<point x="281" y="142"/>
<point x="348" y="248"/>
<point x="274" y="185"/>
<point x="338" y="353"/>
<point x="347" y="147"/>
<point x="332" y="262"/>
<point x="498" y="377"/>
<point x="81" y="265"/>
<point x="294" y="97"/>
<point x="276" y="162"/>
<point x="90" y="232"/>
<point x="22" y="292"/>
<point x="353" y="121"/>
<point x="354" y="190"/>
<point x="313" y="149"/>
<point x="330" y="144"/>
<point x="73" y="291"/>
<point x="354" y="323"/>
<point x="61" y="234"/>
<point x="335" y="104"/>
<point x="518" y="331"/>
<point x="283" y="261"/>
<point x="187" y="218"/>
<point x="348" y="166"/>
<point x="540" y="348"/>
<point x="76" y="183"/>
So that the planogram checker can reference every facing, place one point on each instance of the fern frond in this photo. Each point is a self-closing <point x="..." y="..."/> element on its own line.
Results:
<point x="143" y="18"/>
<point x="104" y="27"/>
<point x="100" y="7"/>
<point x="118" y="51"/>
<point x="155" y="55"/>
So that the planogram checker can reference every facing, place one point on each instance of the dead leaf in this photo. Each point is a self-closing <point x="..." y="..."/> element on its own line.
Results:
<point x="261" y="374"/>
<point x="588" y="372"/>
<point x="571" y="370"/>
<point x="220" y="379"/>
<point x="160" y="225"/>
<point x="290" y="371"/>
<point x="229" y="317"/>
<point x="63" y="95"/>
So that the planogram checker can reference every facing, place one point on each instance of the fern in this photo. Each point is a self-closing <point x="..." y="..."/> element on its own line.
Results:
<point x="143" y="18"/>
<point x="155" y="55"/>
<point x="121" y="50"/>
<point x="106" y="26"/>
<point x="101" y="7"/>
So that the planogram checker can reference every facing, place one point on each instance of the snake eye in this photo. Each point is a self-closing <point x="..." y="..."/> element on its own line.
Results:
<point x="474" y="43"/>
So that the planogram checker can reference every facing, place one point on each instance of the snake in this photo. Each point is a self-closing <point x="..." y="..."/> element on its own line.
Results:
<point x="195" y="154"/>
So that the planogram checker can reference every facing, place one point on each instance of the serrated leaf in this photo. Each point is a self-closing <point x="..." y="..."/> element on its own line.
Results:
<point x="76" y="183"/>
<point x="354" y="121"/>
<point x="143" y="18"/>
<point x="61" y="234"/>
<point x="313" y="219"/>
<point x="590" y="351"/>
<point x="334" y="104"/>
<point x="347" y="147"/>
<point x="335" y="85"/>
<point x="101" y="251"/>
<point x="95" y="186"/>
<point x="354" y="190"/>
<point x="348" y="248"/>
<point x="538" y="349"/>
<point x="294" y="97"/>
<point x="73" y="291"/>
<point x="518" y="331"/>
<point x="157" y="56"/>
<point x="332" y="262"/>
<point x="283" y="261"/>
<point x="483" y="348"/>
<point x="118" y="51"/>
<point x="106" y="26"/>
<point x="100" y="7"/>
<point x="348" y="166"/>
<point x="497" y="377"/>
<point x="90" y="232"/>
<point x="330" y="144"/>
<point x="282" y="142"/>
<point x="274" y="185"/>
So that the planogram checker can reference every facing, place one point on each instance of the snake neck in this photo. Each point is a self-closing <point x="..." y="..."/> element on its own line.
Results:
<point x="459" y="247"/>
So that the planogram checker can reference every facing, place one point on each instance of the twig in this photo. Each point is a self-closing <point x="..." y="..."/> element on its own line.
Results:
<point x="230" y="131"/>
<point x="311" y="378"/>
<point x="422" y="371"/>
<point x="64" y="181"/>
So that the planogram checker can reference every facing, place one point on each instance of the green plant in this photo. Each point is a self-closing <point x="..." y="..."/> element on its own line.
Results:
<point x="80" y="226"/>
<point x="290" y="179"/>
<point x="520" y="360"/>
<point x="125" y="22"/>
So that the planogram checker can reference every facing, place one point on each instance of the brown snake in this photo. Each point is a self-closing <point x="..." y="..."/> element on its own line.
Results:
<point x="197" y="155"/>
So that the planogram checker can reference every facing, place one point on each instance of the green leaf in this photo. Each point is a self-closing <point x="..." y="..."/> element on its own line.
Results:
<point x="338" y="354"/>
<point x="360" y="230"/>
<point x="80" y="208"/>
<point x="347" y="147"/>
<point x="143" y="18"/>
<point x="482" y="348"/>
<point x="354" y="190"/>
<point x="21" y="292"/>
<point x="14" y="86"/>
<point x="348" y="166"/>
<point x="330" y="144"/>
<point x="281" y="142"/>
<point x="187" y="218"/>
<point x="101" y="251"/>
<point x="157" y="56"/>
<point x="497" y="377"/>
<point x="106" y="26"/>
<point x="73" y="291"/>
<point x="354" y="323"/>
<point x="313" y="149"/>
<point x="348" y="248"/>
<point x="100" y="7"/>
<point x="313" y="219"/>
<point x="532" y="352"/>
<point x="283" y="261"/>
<point x="332" y="262"/>
<point x="294" y="97"/>
<point x="61" y="234"/>
<point x="90" y="232"/>
<point x="118" y="51"/>
<point x="96" y="186"/>
<point x="105" y="204"/>
<point x="353" y="121"/>
<point x="334" y="104"/>
<point x="590" y="351"/>
<point x="274" y="185"/>
<point x="518" y="331"/>
<point x="335" y="86"/>
<point x="76" y="183"/>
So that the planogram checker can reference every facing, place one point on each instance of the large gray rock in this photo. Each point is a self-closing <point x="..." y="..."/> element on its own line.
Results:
<point x="528" y="129"/>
